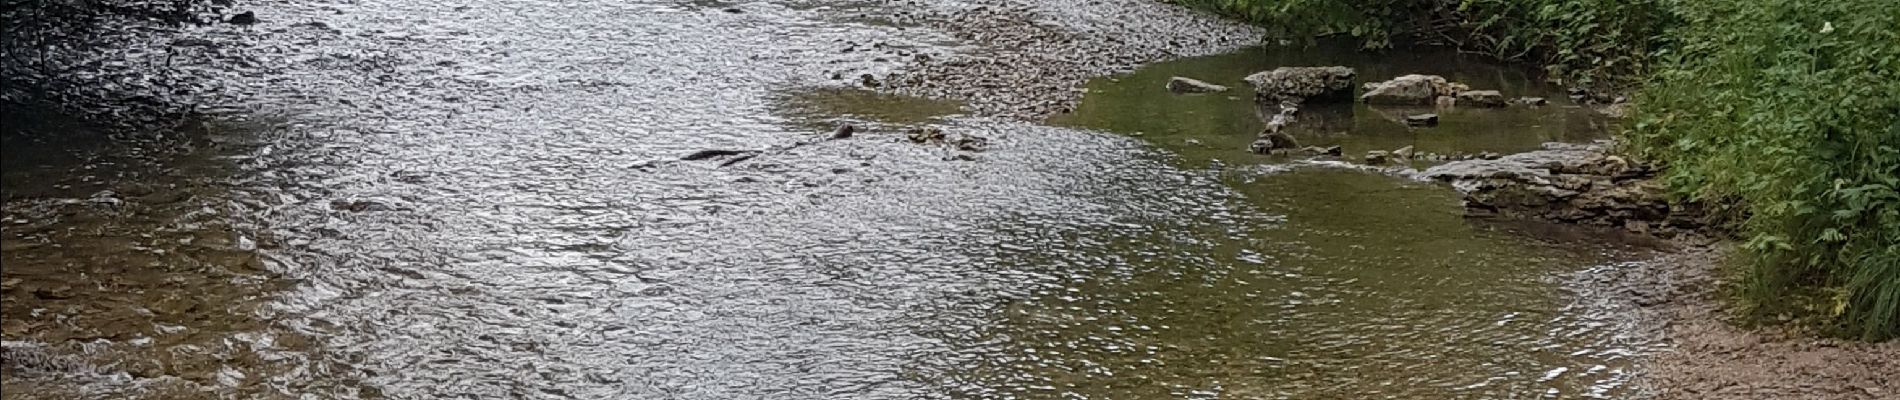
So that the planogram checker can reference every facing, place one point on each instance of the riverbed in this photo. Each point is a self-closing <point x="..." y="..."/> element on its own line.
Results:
<point x="488" y="200"/>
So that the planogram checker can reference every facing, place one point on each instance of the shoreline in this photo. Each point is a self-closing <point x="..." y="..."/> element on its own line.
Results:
<point x="1710" y="357"/>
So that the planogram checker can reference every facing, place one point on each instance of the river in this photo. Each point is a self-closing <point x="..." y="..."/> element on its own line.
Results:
<point x="438" y="200"/>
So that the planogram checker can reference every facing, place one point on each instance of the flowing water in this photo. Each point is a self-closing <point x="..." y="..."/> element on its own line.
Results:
<point x="435" y="201"/>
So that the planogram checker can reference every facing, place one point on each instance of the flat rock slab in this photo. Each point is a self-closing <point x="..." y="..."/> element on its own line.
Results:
<point x="1191" y="85"/>
<point x="1303" y="84"/>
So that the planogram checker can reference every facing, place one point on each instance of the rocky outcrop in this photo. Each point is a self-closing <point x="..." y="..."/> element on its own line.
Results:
<point x="1410" y="90"/>
<point x="1296" y="85"/>
<point x="1191" y="85"/>
<point x="1569" y="183"/>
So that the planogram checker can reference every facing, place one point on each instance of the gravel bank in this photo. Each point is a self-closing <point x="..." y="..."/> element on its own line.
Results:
<point x="1035" y="56"/>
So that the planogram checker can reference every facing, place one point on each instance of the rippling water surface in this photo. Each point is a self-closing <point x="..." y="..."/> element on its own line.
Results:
<point x="441" y="200"/>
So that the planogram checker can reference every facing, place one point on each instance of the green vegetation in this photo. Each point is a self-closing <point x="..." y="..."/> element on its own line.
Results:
<point x="1787" y="111"/>
<point x="1792" y="108"/>
<point x="1583" y="40"/>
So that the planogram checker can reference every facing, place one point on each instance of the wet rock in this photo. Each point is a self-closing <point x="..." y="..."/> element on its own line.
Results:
<point x="1617" y="110"/>
<point x="1403" y="153"/>
<point x="1377" y="157"/>
<point x="1482" y="98"/>
<point x="1271" y="141"/>
<point x="972" y="143"/>
<point x="1531" y="101"/>
<point x="105" y="198"/>
<point x="1414" y="90"/>
<point x="59" y="292"/>
<point x="1302" y="84"/>
<point x="245" y="18"/>
<point x="844" y="131"/>
<point x="712" y="153"/>
<point x="1191" y="85"/>
<point x="1422" y="120"/>
<point x="1334" y="151"/>
<point x="869" y="81"/>
<point x="1569" y="183"/>
<point x="925" y="135"/>
<point x="359" y="205"/>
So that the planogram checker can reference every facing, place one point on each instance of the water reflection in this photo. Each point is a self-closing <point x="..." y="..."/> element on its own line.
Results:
<point x="463" y="201"/>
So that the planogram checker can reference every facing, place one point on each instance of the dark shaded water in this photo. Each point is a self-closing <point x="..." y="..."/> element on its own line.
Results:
<point x="472" y="201"/>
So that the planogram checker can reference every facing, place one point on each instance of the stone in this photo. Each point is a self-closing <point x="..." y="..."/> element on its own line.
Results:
<point x="1273" y="140"/>
<point x="972" y="143"/>
<point x="924" y="135"/>
<point x="1570" y="183"/>
<point x="712" y="153"/>
<point x="844" y="131"/>
<point x="1413" y="90"/>
<point x="1531" y="101"/>
<point x="1334" y="151"/>
<point x="1377" y="157"/>
<point x="1191" y="85"/>
<point x="245" y="18"/>
<point x="1617" y="111"/>
<point x="1482" y="98"/>
<point x="1302" y="84"/>
<point x="1422" y="120"/>
<point x="1403" y="153"/>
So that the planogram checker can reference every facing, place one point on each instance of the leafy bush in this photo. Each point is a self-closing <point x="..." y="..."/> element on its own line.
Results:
<point x="1580" y="39"/>
<point x="1792" y="109"/>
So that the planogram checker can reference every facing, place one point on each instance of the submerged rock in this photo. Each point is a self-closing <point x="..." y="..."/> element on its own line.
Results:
<point x="244" y="18"/>
<point x="1415" y="90"/>
<point x="1569" y="183"/>
<point x="1422" y="120"/>
<point x="1334" y="151"/>
<point x="925" y="135"/>
<point x="1482" y="98"/>
<point x="844" y="131"/>
<point x="712" y="153"/>
<point x="1191" y="85"/>
<point x="1302" y="84"/>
